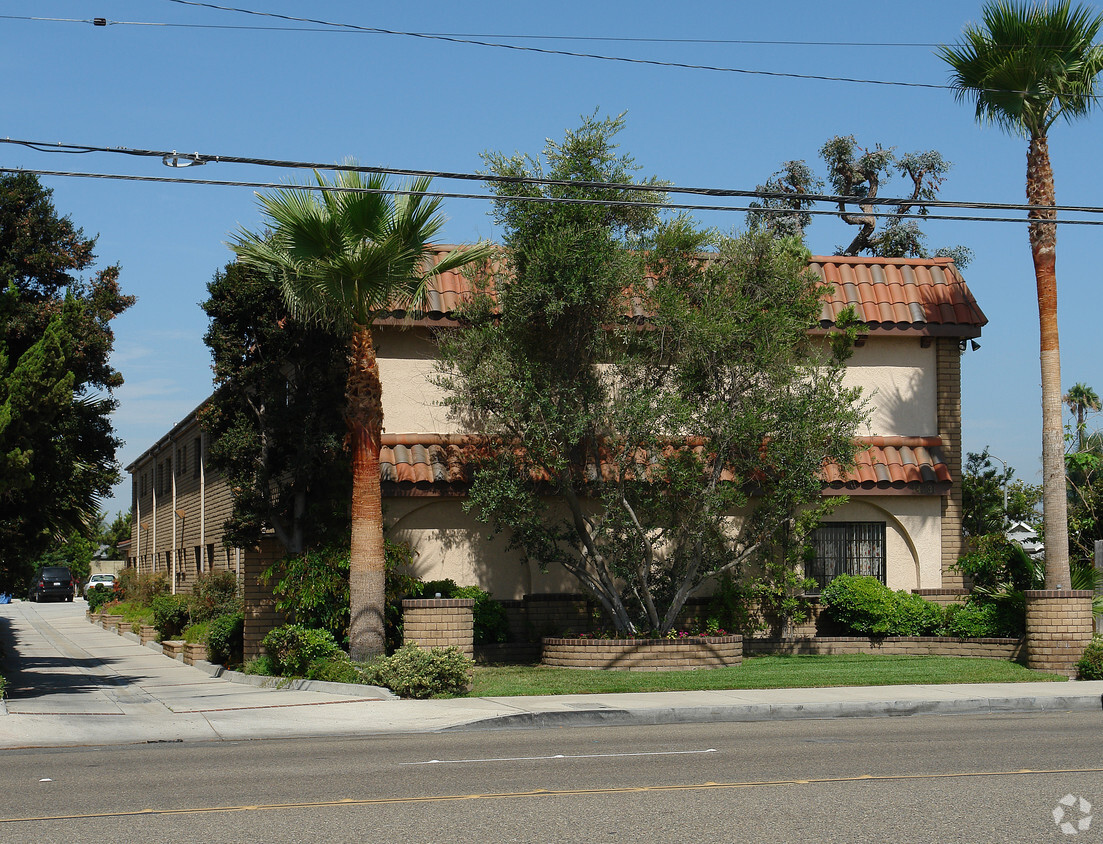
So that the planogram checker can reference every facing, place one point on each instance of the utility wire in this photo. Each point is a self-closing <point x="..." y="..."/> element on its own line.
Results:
<point x="504" y="35"/>
<point x="556" y="200"/>
<point x="198" y="158"/>
<point x="571" y="54"/>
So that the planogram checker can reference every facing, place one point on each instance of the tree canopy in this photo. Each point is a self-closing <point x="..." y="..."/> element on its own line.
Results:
<point x="646" y="455"/>
<point x="275" y="421"/>
<point x="57" y="446"/>
<point x="859" y="173"/>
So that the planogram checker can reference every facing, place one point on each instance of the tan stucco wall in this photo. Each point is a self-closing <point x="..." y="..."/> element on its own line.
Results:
<point x="450" y="543"/>
<point x="897" y="375"/>
<point x="899" y="379"/>
<point x="913" y="536"/>
<point x="412" y="403"/>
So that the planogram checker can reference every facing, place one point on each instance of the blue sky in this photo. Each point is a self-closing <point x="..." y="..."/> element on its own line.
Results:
<point x="428" y="104"/>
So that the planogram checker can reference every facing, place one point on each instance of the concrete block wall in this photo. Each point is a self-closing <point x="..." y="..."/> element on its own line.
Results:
<point x="1059" y="626"/>
<point x="439" y="623"/>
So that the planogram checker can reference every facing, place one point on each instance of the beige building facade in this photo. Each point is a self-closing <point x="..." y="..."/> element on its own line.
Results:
<point x="902" y="520"/>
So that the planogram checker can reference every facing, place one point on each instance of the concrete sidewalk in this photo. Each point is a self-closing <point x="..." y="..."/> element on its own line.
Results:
<point x="72" y="683"/>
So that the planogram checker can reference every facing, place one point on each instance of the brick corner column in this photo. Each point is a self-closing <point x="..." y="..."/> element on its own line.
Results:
<point x="1059" y="626"/>
<point x="439" y="623"/>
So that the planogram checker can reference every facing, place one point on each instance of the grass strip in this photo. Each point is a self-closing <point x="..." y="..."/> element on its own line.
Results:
<point x="762" y="672"/>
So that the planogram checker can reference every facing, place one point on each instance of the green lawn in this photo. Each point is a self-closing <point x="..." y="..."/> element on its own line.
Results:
<point x="764" y="672"/>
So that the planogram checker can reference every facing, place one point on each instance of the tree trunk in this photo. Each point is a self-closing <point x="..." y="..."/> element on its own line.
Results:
<point x="367" y="566"/>
<point x="1043" y="248"/>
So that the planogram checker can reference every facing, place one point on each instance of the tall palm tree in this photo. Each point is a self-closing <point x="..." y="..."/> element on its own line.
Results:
<point x="1029" y="65"/>
<point x="340" y="257"/>
<point x="1081" y="398"/>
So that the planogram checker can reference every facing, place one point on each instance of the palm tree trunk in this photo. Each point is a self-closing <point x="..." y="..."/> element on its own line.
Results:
<point x="1043" y="247"/>
<point x="367" y="567"/>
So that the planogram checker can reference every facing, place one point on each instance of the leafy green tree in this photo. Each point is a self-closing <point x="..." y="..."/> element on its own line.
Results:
<point x="118" y="531"/>
<point x="339" y="258"/>
<point x="275" y="421"/>
<point x="1085" y="489"/>
<point x="983" y="487"/>
<point x="1027" y="67"/>
<point x="57" y="447"/>
<point x="859" y="173"/>
<point x="590" y="411"/>
<point x="1080" y="399"/>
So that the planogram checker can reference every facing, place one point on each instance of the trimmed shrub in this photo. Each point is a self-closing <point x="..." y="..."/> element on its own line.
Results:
<point x="865" y="605"/>
<point x="97" y="596"/>
<point x="418" y="673"/>
<point x="215" y="594"/>
<point x="335" y="669"/>
<point x="226" y="639"/>
<point x="170" y="615"/>
<point x="261" y="665"/>
<point x="293" y="648"/>
<point x="1090" y="665"/>
<point x="973" y="620"/>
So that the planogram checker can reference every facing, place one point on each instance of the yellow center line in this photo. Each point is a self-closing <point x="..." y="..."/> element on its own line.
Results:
<point x="540" y="792"/>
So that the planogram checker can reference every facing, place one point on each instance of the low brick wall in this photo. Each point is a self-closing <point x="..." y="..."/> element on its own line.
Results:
<point x="147" y="633"/>
<point x="943" y="596"/>
<point x="194" y="651"/>
<point x="439" y="623"/>
<point x="558" y="614"/>
<point x="173" y="648"/>
<point x="644" y="654"/>
<point x="1005" y="649"/>
<point x="1058" y="628"/>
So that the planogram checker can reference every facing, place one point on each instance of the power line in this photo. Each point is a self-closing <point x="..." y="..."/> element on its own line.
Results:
<point x="512" y="36"/>
<point x="198" y="158"/>
<point x="572" y="54"/>
<point x="556" y="200"/>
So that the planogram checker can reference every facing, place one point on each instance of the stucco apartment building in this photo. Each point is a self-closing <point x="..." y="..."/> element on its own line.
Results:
<point x="902" y="521"/>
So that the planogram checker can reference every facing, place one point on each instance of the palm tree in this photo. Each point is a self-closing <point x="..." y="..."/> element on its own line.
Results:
<point x="340" y="258"/>
<point x="1028" y="66"/>
<point x="1081" y="398"/>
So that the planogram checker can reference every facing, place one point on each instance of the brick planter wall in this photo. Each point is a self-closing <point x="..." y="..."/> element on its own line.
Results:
<point x="173" y="648"/>
<point x="109" y="622"/>
<point x="644" y="654"/>
<point x="194" y="651"/>
<point x="1005" y="649"/>
<point x="439" y="623"/>
<point x="1058" y="627"/>
<point x="147" y="633"/>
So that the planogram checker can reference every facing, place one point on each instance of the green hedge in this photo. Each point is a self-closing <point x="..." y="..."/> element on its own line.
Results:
<point x="419" y="673"/>
<point x="292" y="648"/>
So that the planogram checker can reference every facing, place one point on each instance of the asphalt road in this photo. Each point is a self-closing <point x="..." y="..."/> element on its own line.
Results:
<point x="929" y="779"/>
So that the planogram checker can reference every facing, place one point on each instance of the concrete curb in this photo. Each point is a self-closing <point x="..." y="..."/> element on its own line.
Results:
<point x="265" y="682"/>
<point x="782" y="712"/>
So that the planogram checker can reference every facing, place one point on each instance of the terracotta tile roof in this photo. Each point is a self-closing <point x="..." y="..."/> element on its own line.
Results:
<point x="442" y="462"/>
<point x="919" y="295"/>
<point x="900" y="293"/>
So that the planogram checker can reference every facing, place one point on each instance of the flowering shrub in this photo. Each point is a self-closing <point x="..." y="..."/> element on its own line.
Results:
<point x="701" y="630"/>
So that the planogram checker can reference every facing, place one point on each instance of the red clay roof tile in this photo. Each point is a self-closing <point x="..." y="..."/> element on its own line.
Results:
<point x="433" y="460"/>
<point x="918" y="294"/>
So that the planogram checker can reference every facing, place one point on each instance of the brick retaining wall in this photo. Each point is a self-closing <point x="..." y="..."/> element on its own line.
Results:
<point x="1058" y="627"/>
<point x="644" y="654"/>
<point x="439" y="623"/>
<point x="1006" y="649"/>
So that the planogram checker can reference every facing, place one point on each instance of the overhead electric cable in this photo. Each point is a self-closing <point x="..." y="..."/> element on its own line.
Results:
<point x="198" y="158"/>
<point x="546" y="51"/>
<point x="559" y="200"/>
<point x="751" y="42"/>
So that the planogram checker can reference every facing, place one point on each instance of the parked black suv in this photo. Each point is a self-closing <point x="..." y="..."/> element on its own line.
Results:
<point x="52" y="583"/>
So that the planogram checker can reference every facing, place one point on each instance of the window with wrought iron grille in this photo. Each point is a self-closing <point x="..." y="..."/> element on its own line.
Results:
<point x="855" y="548"/>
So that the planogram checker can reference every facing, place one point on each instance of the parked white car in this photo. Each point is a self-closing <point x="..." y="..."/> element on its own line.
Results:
<point x="98" y="581"/>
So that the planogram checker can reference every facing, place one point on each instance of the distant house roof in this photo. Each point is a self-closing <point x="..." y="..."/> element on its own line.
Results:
<point x="923" y="296"/>
<point x="441" y="464"/>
